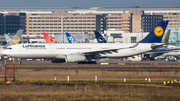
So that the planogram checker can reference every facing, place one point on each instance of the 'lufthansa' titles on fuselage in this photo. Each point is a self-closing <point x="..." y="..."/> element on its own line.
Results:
<point x="34" y="46"/>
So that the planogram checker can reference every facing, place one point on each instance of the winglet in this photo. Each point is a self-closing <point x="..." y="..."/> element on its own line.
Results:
<point x="155" y="36"/>
<point x="99" y="37"/>
<point x="48" y="38"/>
<point x="70" y="38"/>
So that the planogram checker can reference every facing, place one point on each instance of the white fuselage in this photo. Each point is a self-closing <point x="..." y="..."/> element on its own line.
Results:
<point x="173" y="53"/>
<point x="1" y="49"/>
<point x="45" y="50"/>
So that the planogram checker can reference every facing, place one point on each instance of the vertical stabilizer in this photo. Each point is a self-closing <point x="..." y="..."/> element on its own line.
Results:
<point x="16" y="38"/>
<point x="155" y="36"/>
<point x="70" y="39"/>
<point x="99" y="37"/>
<point x="166" y="38"/>
<point x="48" y="38"/>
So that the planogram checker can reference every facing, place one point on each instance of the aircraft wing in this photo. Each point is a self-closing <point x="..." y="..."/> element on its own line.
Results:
<point x="174" y="49"/>
<point x="154" y="46"/>
<point x="104" y="51"/>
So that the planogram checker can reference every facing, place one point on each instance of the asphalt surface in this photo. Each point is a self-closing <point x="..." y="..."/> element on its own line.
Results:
<point x="101" y="64"/>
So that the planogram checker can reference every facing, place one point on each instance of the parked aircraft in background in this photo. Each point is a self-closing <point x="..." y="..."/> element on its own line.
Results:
<point x="70" y="39"/>
<point x="175" y="53"/>
<point x="99" y="37"/>
<point x="48" y="38"/>
<point x="7" y="37"/>
<point x="88" y="51"/>
<point x="14" y="40"/>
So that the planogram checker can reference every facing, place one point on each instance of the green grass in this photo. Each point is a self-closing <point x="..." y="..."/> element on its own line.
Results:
<point x="92" y="79"/>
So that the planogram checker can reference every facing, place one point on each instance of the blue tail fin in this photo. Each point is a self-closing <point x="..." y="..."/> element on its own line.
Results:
<point x="99" y="37"/>
<point x="70" y="38"/>
<point x="155" y="36"/>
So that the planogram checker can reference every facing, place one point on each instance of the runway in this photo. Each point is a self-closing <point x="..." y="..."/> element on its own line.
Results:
<point x="107" y="64"/>
<point x="98" y="68"/>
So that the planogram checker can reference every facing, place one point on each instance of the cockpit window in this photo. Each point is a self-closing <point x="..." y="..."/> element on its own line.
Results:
<point x="8" y="48"/>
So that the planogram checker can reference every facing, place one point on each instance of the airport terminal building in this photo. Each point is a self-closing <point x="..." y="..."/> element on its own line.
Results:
<point x="81" y="22"/>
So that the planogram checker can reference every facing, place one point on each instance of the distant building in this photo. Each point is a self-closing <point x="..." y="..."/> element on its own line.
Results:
<point x="12" y="22"/>
<point x="123" y="37"/>
<point x="118" y="22"/>
<point x="174" y="20"/>
<point x="72" y="23"/>
<point x="1" y="23"/>
<point x="145" y="23"/>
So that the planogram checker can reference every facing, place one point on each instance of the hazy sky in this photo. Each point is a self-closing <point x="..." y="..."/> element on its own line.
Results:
<point x="86" y="3"/>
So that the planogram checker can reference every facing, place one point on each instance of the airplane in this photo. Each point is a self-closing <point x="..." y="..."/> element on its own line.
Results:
<point x="64" y="52"/>
<point x="14" y="40"/>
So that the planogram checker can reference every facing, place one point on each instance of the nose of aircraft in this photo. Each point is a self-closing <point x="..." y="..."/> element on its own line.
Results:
<point x="3" y="52"/>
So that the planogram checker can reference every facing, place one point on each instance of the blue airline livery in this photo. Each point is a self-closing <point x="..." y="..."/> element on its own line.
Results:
<point x="155" y="36"/>
<point x="70" y="38"/>
<point x="33" y="46"/>
<point x="99" y="37"/>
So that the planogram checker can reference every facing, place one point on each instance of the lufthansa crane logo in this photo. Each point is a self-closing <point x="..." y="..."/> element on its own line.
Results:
<point x="101" y="40"/>
<point x="14" y="40"/>
<point x="158" y="31"/>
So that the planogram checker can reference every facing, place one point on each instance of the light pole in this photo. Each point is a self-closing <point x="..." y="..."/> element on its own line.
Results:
<point x="62" y="25"/>
<point x="142" y="33"/>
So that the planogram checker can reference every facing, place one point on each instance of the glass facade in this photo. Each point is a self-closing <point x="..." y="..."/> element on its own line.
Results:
<point x="133" y="39"/>
<point x="174" y="36"/>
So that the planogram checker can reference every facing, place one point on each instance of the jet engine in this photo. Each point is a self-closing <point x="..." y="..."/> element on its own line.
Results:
<point x="75" y="58"/>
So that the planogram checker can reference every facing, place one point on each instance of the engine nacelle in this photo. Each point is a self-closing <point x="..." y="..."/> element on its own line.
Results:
<point x="57" y="60"/>
<point x="75" y="58"/>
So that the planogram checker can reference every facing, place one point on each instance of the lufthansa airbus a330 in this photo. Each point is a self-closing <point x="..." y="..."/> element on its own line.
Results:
<point x="60" y="52"/>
